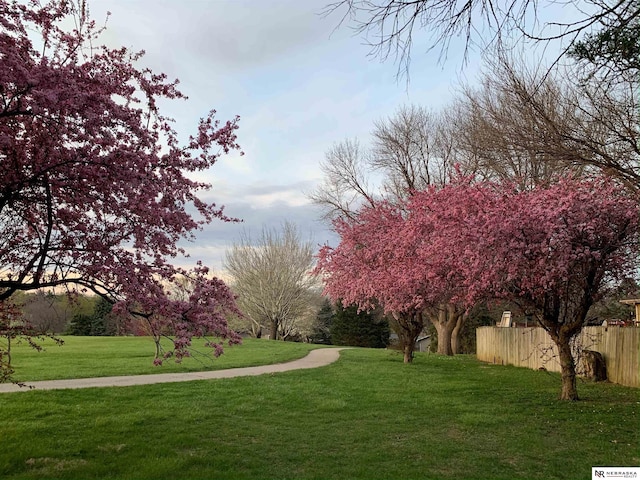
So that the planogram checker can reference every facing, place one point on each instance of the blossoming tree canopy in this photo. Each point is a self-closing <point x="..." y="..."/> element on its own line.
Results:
<point x="93" y="180"/>
<point x="556" y="250"/>
<point x="398" y="258"/>
<point x="357" y="265"/>
<point x="553" y="249"/>
<point x="435" y="233"/>
<point x="369" y="269"/>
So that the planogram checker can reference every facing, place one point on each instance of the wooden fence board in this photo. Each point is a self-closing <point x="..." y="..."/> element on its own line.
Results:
<point x="533" y="348"/>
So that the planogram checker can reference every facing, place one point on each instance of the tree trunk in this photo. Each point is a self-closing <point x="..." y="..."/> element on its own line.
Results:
<point x="158" y="358"/>
<point x="156" y="339"/>
<point x="455" y="334"/>
<point x="562" y="332"/>
<point x="567" y="368"/>
<point x="407" y="339"/>
<point x="409" y="328"/>
<point x="408" y="353"/>
<point x="444" y="339"/>
<point x="256" y="328"/>
<point x="445" y="319"/>
<point x="274" y="329"/>
<point x="9" y="350"/>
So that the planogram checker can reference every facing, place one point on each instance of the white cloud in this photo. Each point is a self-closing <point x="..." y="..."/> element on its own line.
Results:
<point x="258" y="207"/>
<point x="297" y="85"/>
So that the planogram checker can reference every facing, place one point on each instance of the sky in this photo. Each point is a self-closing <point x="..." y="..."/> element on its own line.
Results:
<point x="299" y="85"/>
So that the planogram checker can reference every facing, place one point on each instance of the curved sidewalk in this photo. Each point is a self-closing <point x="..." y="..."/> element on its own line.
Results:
<point x="316" y="358"/>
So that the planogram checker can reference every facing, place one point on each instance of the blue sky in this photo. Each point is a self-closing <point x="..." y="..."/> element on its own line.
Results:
<point x="298" y="84"/>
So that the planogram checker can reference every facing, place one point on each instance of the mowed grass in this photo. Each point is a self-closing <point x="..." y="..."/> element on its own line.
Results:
<point x="366" y="416"/>
<point x="84" y="357"/>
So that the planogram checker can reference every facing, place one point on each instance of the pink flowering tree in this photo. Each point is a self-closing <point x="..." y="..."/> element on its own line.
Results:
<point x="193" y="304"/>
<point x="96" y="191"/>
<point x="369" y="269"/>
<point x="392" y="257"/>
<point x="434" y="217"/>
<point x="556" y="250"/>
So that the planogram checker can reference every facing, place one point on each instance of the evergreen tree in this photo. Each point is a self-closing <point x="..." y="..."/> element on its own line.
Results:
<point x="98" y="323"/>
<point x="323" y="324"/>
<point x="616" y="47"/>
<point x="80" y="325"/>
<point x="101" y="324"/>
<point x="361" y="329"/>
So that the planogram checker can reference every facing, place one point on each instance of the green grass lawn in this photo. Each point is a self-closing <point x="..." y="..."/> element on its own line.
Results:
<point x="83" y="357"/>
<point x="367" y="416"/>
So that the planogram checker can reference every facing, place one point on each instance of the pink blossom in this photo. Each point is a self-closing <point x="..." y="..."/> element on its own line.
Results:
<point x="95" y="188"/>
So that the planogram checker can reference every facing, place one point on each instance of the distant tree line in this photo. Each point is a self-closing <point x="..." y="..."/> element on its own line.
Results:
<point x="87" y="315"/>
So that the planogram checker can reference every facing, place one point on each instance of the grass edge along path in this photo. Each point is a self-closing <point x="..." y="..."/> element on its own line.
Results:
<point x="320" y="357"/>
<point x="88" y="357"/>
<point x="365" y="416"/>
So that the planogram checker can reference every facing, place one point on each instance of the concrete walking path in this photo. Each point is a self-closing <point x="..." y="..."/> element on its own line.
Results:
<point x="316" y="358"/>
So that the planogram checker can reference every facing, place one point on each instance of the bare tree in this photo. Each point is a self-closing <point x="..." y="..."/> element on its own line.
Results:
<point x="410" y="150"/>
<point x="346" y="185"/>
<point x="272" y="278"/>
<point x="47" y="312"/>
<point x="389" y="26"/>
<point x="302" y="327"/>
<point x="407" y="149"/>
<point x="531" y="125"/>
<point x="499" y="137"/>
<point x="408" y="153"/>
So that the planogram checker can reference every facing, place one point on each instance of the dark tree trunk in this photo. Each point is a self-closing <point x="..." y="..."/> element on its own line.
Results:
<point x="410" y="326"/>
<point x="274" y="329"/>
<point x="408" y="343"/>
<point x="8" y="351"/>
<point x="563" y="331"/>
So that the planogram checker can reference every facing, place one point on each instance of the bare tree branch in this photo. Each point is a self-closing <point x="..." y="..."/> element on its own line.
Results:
<point x="531" y="126"/>
<point x="410" y="150"/>
<point x="390" y="26"/>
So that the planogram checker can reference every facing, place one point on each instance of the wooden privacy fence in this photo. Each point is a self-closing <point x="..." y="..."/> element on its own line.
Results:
<point x="533" y="348"/>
